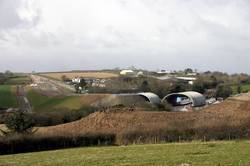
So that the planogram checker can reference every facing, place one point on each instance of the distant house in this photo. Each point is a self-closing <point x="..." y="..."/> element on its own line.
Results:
<point x="192" y="74"/>
<point x="140" y="74"/>
<point x="189" y="80"/>
<point x="163" y="72"/>
<point x="76" y="80"/>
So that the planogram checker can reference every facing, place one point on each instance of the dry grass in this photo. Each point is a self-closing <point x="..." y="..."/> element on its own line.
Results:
<point x="71" y="75"/>
<point x="232" y="112"/>
<point x="2" y="127"/>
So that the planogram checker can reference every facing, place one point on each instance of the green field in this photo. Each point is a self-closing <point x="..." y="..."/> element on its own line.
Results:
<point x="196" y="154"/>
<point x="7" y="96"/>
<point x="244" y="88"/>
<point x="19" y="80"/>
<point x="42" y="103"/>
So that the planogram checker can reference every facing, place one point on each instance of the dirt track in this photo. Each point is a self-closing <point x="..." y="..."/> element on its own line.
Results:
<point x="51" y="87"/>
<point x="22" y="100"/>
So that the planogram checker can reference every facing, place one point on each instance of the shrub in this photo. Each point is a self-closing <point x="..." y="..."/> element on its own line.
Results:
<point x="20" y="143"/>
<point x="144" y="86"/>
<point x="19" y="122"/>
<point x="198" y="86"/>
<point x="61" y="116"/>
<point x="224" y="91"/>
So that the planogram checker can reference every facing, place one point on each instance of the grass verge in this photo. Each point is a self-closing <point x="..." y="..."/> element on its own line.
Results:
<point x="7" y="96"/>
<point x="194" y="153"/>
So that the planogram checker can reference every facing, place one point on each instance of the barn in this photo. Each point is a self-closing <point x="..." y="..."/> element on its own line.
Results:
<point x="131" y="99"/>
<point x="192" y="98"/>
<point x="127" y="73"/>
<point x="151" y="98"/>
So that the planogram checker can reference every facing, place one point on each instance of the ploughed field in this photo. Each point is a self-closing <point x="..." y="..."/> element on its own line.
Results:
<point x="193" y="153"/>
<point x="58" y="76"/>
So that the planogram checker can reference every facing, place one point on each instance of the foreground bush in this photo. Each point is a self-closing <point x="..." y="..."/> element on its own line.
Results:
<point x="30" y="143"/>
<point x="186" y="131"/>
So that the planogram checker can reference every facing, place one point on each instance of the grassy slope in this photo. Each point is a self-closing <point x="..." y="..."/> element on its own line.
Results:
<point x="7" y="96"/>
<point x="19" y="80"/>
<point x="244" y="88"/>
<point x="43" y="103"/>
<point x="212" y="153"/>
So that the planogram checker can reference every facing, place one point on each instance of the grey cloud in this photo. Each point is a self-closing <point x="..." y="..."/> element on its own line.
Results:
<point x="149" y="34"/>
<point x="8" y="14"/>
<point x="9" y="17"/>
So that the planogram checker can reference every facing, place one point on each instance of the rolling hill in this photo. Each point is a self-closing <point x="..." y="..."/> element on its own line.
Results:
<point x="234" y="112"/>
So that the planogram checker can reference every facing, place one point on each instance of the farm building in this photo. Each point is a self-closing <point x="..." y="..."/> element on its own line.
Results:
<point x="140" y="74"/>
<point x="189" y="80"/>
<point x="192" y="98"/>
<point x="131" y="99"/>
<point x="151" y="97"/>
<point x="127" y="73"/>
<point x="163" y="72"/>
<point x="76" y="80"/>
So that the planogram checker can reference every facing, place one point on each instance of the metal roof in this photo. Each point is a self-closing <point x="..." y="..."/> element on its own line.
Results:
<point x="153" y="98"/>
<point x="196" y="98"/>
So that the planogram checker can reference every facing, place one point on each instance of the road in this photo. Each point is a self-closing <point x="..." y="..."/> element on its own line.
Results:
<point x="51" y="87"/>
<point x="23" y="102"/>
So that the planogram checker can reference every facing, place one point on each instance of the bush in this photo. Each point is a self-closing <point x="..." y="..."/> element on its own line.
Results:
<point x="224" y="91"/>
<point x="198" y="86"/>
<point x="61" y="116"/>
<point x="144" y="86"/>
<point x="30" y="143"/>
<point x="19" y="122"/>
<point x="177" y="132"/>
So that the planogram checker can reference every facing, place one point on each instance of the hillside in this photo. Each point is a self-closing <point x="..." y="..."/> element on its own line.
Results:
<point x="117" y="122"/>
<point x="41" y="103"/>
<point x="232" y="112"/>
<point x="237" y="104"/>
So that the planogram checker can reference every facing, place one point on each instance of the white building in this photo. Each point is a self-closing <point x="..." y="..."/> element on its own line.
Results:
<point x="76" y="80"/>
<point x="127" y="73"/>
<point x="163" y="72"/>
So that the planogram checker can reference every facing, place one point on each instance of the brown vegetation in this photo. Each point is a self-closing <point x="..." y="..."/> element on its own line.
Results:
<point x="125" y="125"/>
<point x="31" y="143"/>
<point x="230" y="119"/>
<point x="71" y="75"/>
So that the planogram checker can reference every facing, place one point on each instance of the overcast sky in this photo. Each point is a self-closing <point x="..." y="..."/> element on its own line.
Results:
<point x="52" y="35"/>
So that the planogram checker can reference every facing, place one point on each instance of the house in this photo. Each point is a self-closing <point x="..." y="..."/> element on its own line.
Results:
<point x="140" y="74"/>
<point x="163" y="72"/>
<point x="189" y="80"/>
<point x="76" y="80"/>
